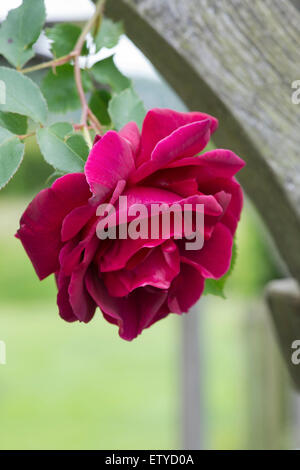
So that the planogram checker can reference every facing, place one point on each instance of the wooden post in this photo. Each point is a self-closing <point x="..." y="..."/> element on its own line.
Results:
<point x="191" y="382"/>
<point x="284" y="302"/>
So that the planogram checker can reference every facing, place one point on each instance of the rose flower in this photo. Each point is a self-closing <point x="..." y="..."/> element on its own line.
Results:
<point x="136" y="282"/>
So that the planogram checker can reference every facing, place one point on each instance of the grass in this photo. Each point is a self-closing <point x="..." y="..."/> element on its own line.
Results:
<point x="74" y="386"/>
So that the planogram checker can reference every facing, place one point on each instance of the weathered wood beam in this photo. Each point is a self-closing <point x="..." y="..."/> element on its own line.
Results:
<point x="237" y="60"/>
<point x="284" y="302"/>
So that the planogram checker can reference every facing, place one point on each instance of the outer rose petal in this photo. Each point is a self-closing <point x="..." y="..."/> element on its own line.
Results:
<point x="40" y="225"/>
<point x="81" y="302"/>
<point x="218" y="163"/>
<point x="160" y="123"/>
<point x="151" y="301"/>
<point x="186" y="289"/>
<point x="182" y="176"/>
<point x="110" y="161"/>
<point x="76" y="220"/>
<point x="186" y="141"/>
<point x="63" y="301"/>
<point x="213" y="260"/>
<point x="132" y="313"/>
<point x="123" y="311"/>
<point x="131" y="133"/>
<point x="233" y="212"/>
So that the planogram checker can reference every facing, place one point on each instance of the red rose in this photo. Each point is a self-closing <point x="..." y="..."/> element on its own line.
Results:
<point x="136" y="282"/>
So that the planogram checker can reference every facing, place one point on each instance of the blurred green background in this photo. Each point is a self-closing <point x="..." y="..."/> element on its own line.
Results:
<point x="82" y="387"/>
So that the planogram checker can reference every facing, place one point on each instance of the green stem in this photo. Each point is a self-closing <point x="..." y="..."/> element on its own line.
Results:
<point x="87" y="113"/>
<point x="52" y="63"/>
<point x="26" y="136"/>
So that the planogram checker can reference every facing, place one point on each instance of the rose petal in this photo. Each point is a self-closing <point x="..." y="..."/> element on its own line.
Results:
<point x="131" y="133"/>
<point x="123" y="311"/>
<point x="151" y="301"/>
<point x="160" y="123"/>
<point x="184" y="142"/>
<point x="81" y="302"/>
<point x="186" y="289"/>
<point x="75" y="221"/>
<point x="215" y="164"/>
<point x="233" y="211"/>
<point x="110" y="160"/>
<point x="131" y="314"/>
<point x="213" y="260"/>
<point x="158" y="269"/>
<point x="63" y="302"/>
<point x="40" y="225"/>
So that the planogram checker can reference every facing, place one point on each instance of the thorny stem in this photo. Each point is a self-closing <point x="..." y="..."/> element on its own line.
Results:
<point x="77" y="127"/>
<point x="87" y="114"/>
<point x="86" y="111"/>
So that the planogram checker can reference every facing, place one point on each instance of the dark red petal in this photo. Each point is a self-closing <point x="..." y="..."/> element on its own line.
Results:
<point x="160" y="123"/>
<point x="40" y="225"/>
<point x="123" y="311"/>
<point x="110" y="160"/>
<point x="81" y="302"/>
<point x="186" y="289"/>
<point x="184" y="142"/>
<point x="218" y="163"/>
<point x="158" y="269"/>
<point x="213" y="260"/>
<point x="63" y="302"/>
<point x="131" y="133"/>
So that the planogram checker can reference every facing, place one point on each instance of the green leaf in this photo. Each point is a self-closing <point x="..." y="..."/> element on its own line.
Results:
<point x="60" y="90"/>
<point x="99" y="105"/>
<point x="60" y="150"/>
<point x="109" y="34"/>
<point x="216" y="286"/>
<point x="77" y="143"/>
<point x="64" y="37"/>
<point x="106" y="73"/>
<point x="15" y="123"/>
<point x="62" y="129"/>
<point x="21" y="30"/>
<point x="11" y="155"/>
<point x="126" y="107"/>
<point x="22" y="96"/>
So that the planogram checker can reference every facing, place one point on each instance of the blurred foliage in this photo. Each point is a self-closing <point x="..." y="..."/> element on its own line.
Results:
<point x="32" y="174"/>
<point x="256" y="264"/>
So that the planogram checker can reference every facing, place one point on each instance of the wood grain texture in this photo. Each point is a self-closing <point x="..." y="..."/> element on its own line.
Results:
<point x="236" y="60"/>
<point x="284" y="302"/>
